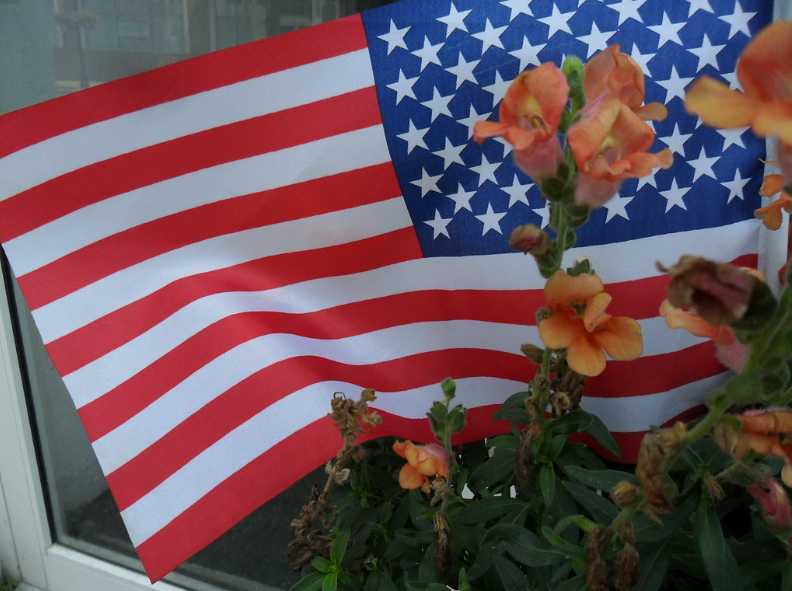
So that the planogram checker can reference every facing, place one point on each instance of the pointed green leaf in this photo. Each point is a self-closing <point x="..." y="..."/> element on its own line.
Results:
<point x="311" y="582"/>
<point x="547" y="482"/>
<point x="600" y="508"/>
<point x="654" y="567"/>
<point x="603" y="480"/>
<point x="330" y="582"/>
<point x="321" y="564"/>
<point x="716" y="555"/>
<point x="513" y="578"/>
<point x="338" y="549"/>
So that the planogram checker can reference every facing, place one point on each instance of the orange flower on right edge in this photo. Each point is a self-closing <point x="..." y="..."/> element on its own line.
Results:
<point x="765" y="72"/>
<point x="767" y="432"/>
<point x="770" y="214"/>
<point x="580" y="324"/>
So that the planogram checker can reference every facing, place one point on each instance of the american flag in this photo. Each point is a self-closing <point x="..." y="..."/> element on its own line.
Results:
<point x="210" y="250"/>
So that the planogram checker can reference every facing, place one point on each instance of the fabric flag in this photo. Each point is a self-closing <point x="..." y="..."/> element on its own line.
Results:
<point x="212" y="249"/>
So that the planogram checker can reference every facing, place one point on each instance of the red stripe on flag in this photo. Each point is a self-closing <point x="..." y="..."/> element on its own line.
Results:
<point x="120" y="404"/>
<point x="40" y="122"/>
<point x="239" y="403"/>
<point x="53" y="199"/>
<point x="82" y="346"/>
<point x="119" y="251"/>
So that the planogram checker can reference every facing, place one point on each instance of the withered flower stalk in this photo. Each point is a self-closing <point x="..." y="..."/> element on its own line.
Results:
<point x="655" y="456"/>
<point x="350" y="418"/>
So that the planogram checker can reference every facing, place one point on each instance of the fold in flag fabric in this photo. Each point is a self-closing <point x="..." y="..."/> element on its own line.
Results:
<point x="212" y="249"/>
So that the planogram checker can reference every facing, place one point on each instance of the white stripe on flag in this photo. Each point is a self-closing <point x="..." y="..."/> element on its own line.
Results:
<point x="353" y="150"/>
<point x="232" y="367"/>
<point x="98" y="299"/>
<point x="94" y="143"/>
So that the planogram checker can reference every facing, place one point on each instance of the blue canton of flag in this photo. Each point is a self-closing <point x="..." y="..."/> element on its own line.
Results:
<point x="440" y="67"/>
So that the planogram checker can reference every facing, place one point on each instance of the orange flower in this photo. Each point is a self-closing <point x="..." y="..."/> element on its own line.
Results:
<point x="771" y="215"/>
<point x="528" y="119"/>
<point x="765" y="72"/>
<point x="580" y="324"/>
<point x="422" y="461"/>
<point x="767" y="432"/>
<point x="618" y="75"/>
<point x="610" y="143"/>
<point x="731" y="352"/>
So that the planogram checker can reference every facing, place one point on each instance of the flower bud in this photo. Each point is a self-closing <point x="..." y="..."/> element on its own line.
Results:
<point x="624" y="494"/>
<point x="532" y="352"/>
<point x="774" y="501"/>
<point x="530" y="239"/>
<point x="717" y="292"/>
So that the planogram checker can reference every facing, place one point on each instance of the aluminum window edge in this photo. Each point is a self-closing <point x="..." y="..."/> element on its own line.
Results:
<point x="27" y="529"/>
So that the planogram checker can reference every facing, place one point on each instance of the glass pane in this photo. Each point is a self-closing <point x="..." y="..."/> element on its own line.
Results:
<point x="98" y="41"/>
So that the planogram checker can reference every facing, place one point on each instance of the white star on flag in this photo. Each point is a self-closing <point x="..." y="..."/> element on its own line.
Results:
<point x="674" y="196"/>
<point x="675" y="86"/>
<point x="627" y="9"/>
<point x="736" y="186"/>
<point x="616" y="207"/>
<point x="461" y="199"/>
<point x="439" y="225"/>
<point x="507" y="147"/>
<point x="707" y="53"/>
<point x="439" y="104"/>
<point x="703" y="165"/>
<point x="557" y="21"/>
<point x="454" y="20"/>
<point x="490" y="36"/>
<point x="696" y="5"/>
<point x="668" y="31"/>
<point x="596" y="40"/>
<point x="528" y="54"/>
<point x="486" y="170"/>
<point x="738" y="21"/>
<point x="427" y="183"/>
<point x="544" y="214"/>
<point x="451" y="154"/>
<point x="491" y="220"/>
<point x="676" y="140"/>
<point x="395" y="37"/>
<point x="428" y="53"/>
<point x="517" y="192"/>
<point x="732" y="137"/>
<point x="403" y="87"/>
<point x="497" y="88"/>
<point x="464" y="70"/>
<point x="517" y="7"/>
<point x="471" y="120"/>
<point x="414" y="137"/>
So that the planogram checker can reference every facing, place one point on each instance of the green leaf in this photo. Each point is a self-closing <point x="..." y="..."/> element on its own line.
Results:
<point x="547" y="483"/>
<point x="488" y="509"/>
<point x="311" y="582"/>
<point x="578" y="421"/>
<point x="647" y="531"/>
<point x="338" y="549"/>
<point x="757" y="571"/>
<point x="514" y="404"/>
<point x="600" y="508"/>
<point x="716" y="555"/>
<point x="603" y="480"/>
<point x="321" y="564"/>
<point x="330" y="582"/>
<point x="496" y="470"/>
<point x="654" y="567"/>
<point x="576" y="583"/>
<point x="380" y="581"/>
<point x="456" y="419"/>
<point x="513" y="578"/>
<point x="557" y="446"/>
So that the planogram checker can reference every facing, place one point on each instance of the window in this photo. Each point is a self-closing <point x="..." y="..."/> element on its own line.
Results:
<point x="59" y="527"/>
